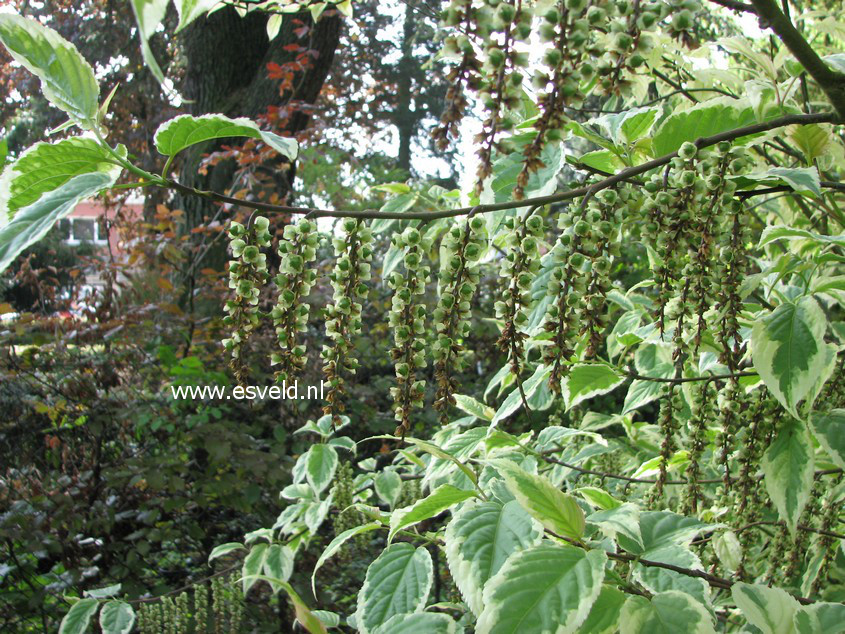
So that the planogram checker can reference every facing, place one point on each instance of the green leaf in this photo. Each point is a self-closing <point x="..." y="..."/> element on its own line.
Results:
<point x="554" y="509"/>
<point x="545" y="588"/>
<point x="67" y="80"/>
<point x="399" y="204"/>
<point x="605" y="613"/>
<point x="790" y="354"/>
<point x="79" y="616"/>
<point x="185" y="130"/>
<point x="103" y="593"/>
<point x="704" y="119"/>
<point x="657" y="580"/>
<point x="586" y="380"/>
<point x="513" y="401"/>
<point x="225" y="549"/>
<point x="397" y="582"/>
<point x="33" y="222"/>
<point x="788" y="467"/>
<point x="782" y="232"/>
<point x="667" y="613"/>
<point x="278" y="564"/>
<point x="45" y="167"/>
<point x="598" y="497"/>
<point x="336" y="544"/>
<point x="829" y="430"/>
<point x="624" y="520"/>
<point x="474" y="408"/>
<point x="117" y="617"/>
<point x="253" y="565"/>
<point x="480" y="538"/>
<point x="320" y="466"/>
<point x="770" y="610"/>
<point x="804" y="180"/>
<point x="729" y="550"/>
<point x="148" y="15"/>
<point x="602" y="160"/>
<point x="388" y="486"/>
<point x="812" y="139"/>
<point x="443" y="497"/>
<point x="190" y="10"/>
<point x="428" y="622"/>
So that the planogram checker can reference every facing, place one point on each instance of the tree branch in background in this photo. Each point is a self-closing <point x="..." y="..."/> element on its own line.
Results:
<point x="831" y="82"/>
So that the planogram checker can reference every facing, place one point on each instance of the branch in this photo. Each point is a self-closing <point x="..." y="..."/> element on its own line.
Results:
<point x="713" y="580"/>
<point x="735" y="5"/>
<point x="831" y="82"/>
<point x="587" y="190"/>
<point x="689" y="379"/>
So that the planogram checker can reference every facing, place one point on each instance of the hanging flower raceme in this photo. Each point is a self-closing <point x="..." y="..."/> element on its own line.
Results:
<point x="247" y="275"/>
<point x="407" y="319"/>
<point x="460" y="252"/>
<point x="343" y="315"/>
<point x="519" y="267"/>
<point x="297" y="248"/>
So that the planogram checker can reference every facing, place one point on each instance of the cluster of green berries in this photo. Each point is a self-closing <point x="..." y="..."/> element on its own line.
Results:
<point x="460" y="252"/>
<point x="343" y="316"/>
<point x="519" y="267"/>
<point x="247" y="275"/>
<point x="343" y="497"/>
<point x="297" y="248"/>
<point x="407" y="320"/>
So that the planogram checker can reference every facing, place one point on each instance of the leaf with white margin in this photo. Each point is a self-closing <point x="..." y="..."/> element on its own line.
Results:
<point x="336" y="544"/>
<point x="320" y="463"/>
<point x="554" y="509"/>
<point x="667" y="613"/>
<point x="820" y="617"/>
<point x="586" y="380"/>
<point x="278" y="564"/>
<point x="32" y="223"/>
<point x="185" y="130"/>
<point x="397" y="582"/>
<point x="788" y="467"/>
<point x="388" y="486"/>
<point x="224" y="549"/>
<point x="664" y="528"/>
<point x="605" y="613"/>
<point x="79" y="616"/>
<point x="253" y="565"/>
<point x="316" y="514"/>
<point x="474" y="408"/>
<point x="624" y="520"/>
<point x="829" y="430"/>
<point x="770" y="610"/>
<point x="443" y="497"/>
<point x="117" y="617"/>
<point x="461" y="447"/>
<point x="480" y="538"/>
<point x="789" y="352"/>
<point x="67" y="80"/>
<point x="428" y="622"/>
<point x="545" y="588"/>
